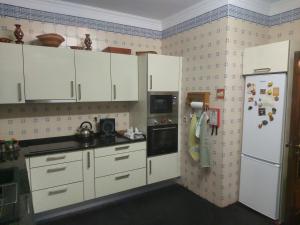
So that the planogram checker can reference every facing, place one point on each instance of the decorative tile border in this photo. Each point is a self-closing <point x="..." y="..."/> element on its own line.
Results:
<point x="236" y="12"/>
<point x="48" y="17"/>
<point x="221" y="12"/>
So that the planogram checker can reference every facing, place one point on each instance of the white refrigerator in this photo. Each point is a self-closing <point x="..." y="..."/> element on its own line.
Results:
<point x="262" y="144"/>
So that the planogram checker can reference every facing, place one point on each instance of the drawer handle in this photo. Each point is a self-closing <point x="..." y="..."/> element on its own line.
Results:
<point x="56" y="158"/>
<point x="58" y="191"/>
<point x="56" y="169"/>
<point x="122" y="148"/>
<point x="121" y="157"/>
<point x="122" y="177"/>
<point x="262" y="70"/>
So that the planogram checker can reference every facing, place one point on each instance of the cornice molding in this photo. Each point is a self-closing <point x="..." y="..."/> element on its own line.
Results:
<point x="83" y="11"/>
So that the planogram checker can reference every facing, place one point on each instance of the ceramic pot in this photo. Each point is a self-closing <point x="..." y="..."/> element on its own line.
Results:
<point x="88" y="42"/>
<point x="18" y="34"/>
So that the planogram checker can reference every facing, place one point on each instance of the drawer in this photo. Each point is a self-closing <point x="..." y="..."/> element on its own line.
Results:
<point x="119" y="149"/>
<point x="55" y="175"/>
<point x="57" y="197"/>
<point x="120" y="182"/>
<point x="51" y="159"/>
<point x="118" y="163"/>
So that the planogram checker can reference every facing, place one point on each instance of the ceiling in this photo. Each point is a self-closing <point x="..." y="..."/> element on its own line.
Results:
<point x="155" y="9"/>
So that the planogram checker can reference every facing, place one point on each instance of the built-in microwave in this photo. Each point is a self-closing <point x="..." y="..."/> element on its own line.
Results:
<point x="163" y="103"/>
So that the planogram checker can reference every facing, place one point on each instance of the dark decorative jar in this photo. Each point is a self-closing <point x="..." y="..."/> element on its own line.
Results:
<point x="88" y="42"/>
<point x="19" y="34"/>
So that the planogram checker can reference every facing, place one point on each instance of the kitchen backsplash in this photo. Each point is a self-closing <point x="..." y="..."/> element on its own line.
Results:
<point x="29" y="121"/>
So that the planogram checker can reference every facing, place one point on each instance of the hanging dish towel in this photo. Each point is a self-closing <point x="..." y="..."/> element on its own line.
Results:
<point x="193" y="145"/>
<point x="204" y="144"/>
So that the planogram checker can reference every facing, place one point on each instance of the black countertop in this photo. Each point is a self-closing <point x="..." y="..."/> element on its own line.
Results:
<point x="44" y="146"/>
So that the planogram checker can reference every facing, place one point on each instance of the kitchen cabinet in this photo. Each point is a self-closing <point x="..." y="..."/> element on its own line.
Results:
<point x="164" y="72"/>
<point x="162" y="167"/>
<point x="124" y="75"/>
<point x="49" y="73"/>
<point x="93" y="80"/>
<point x="88" y="174"/>
<point x="270" y="58"/>
<point x="11" y="74"/>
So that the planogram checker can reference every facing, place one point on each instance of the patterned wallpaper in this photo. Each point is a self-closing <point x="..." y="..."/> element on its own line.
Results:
<point x="29" y="121"/>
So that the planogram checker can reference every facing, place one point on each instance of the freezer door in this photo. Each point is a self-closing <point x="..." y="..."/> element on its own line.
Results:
<point x="269" y="95"/>
<point x="259" y="186"/>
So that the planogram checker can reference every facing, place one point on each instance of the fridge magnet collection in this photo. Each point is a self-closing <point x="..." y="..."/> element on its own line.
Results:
<point x="266" y="103"/>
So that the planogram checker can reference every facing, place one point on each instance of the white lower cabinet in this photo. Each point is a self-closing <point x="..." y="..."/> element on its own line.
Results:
<point x="120" y="182"/>
<point x="162" y="167"/>
<point x="88" y="174"/>
<point x="55" y="175"/>
<point x="56" y="197"/>
<point x="119" y="163"/>
<point x="63" y="179"/>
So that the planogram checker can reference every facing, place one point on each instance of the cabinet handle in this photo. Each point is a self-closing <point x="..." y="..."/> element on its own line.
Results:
<point x="122" y="148"/>
<point x="79" y="91"/>
<point x="19" y="92"/>
<point x="150" y="82"/>
<point x="121" y="157"/>
<point x="56" y="169"/>
<point x="72" y="89"/>
<point x="115" y="92"/>
<point x="88" y="160"/>
<point x="55" y="158"/>
<point x="60" y="191"/>
<point x="150" y="167"/>
<point x="262" y="70"/>
<point x="122" y="177"/>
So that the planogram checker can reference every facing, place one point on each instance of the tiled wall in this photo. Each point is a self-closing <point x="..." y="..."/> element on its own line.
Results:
<point x="29" y="121"/>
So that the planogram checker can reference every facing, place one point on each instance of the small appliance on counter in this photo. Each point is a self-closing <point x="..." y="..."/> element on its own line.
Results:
<point x="107" y="127"/>
<point x="85" y="131"/>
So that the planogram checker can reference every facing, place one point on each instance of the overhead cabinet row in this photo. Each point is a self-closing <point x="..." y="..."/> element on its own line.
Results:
<point x="34" y="73"/>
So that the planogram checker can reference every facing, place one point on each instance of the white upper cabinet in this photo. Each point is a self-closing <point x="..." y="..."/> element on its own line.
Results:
<point x="92" y="76"/>
<point x="49" y="73"/>
<point x="270" y="58"/>
<point x="163" y="72"/>
<point x="11" y="74"/>
<point x="124" y="75"/>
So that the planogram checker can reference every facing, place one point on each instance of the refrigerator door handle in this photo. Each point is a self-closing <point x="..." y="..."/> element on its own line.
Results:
<point x="261" y="160"/>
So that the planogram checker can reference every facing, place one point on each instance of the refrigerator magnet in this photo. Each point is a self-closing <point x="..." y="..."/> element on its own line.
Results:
<point x="271" y="118"/>
<point x="270" y="84"/>
<point x="260" y="125"/>
<point x="262" y="111"/>
<point x="274" y="111"/>
<point x="250" y="108"/>
<point x="276" y="91"/>
<point x="269" y="92"/>
<point x="263" y="91"/>
<point x="265" y="122"/>
<point x="250" y="99"/>
<point x="276" y="98"/>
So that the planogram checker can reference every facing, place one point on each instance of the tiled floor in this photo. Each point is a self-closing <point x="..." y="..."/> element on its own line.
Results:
<point x="173" y="205"/>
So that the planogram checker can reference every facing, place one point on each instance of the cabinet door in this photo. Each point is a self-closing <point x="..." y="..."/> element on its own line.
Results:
<point x="162" y="167"/>
<point x="93" y="76"/>
<point x="88" y="174"/>
<point x="11" y="74"/>
<point x="49" y="73"/>
<point x="163" y="73"/>
<point x="270" y="58"/>
<point x="124" y="74"/>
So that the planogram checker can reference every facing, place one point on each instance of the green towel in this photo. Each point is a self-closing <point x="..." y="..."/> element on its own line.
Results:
<point x="193" y="142"/>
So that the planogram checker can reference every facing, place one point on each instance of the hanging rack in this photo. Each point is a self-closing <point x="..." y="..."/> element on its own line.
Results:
<point x="198" y="97"/>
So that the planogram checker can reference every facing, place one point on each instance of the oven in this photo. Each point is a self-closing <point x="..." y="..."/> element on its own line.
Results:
<point x="162" y="139"/>
<point x="162" y="103"/>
